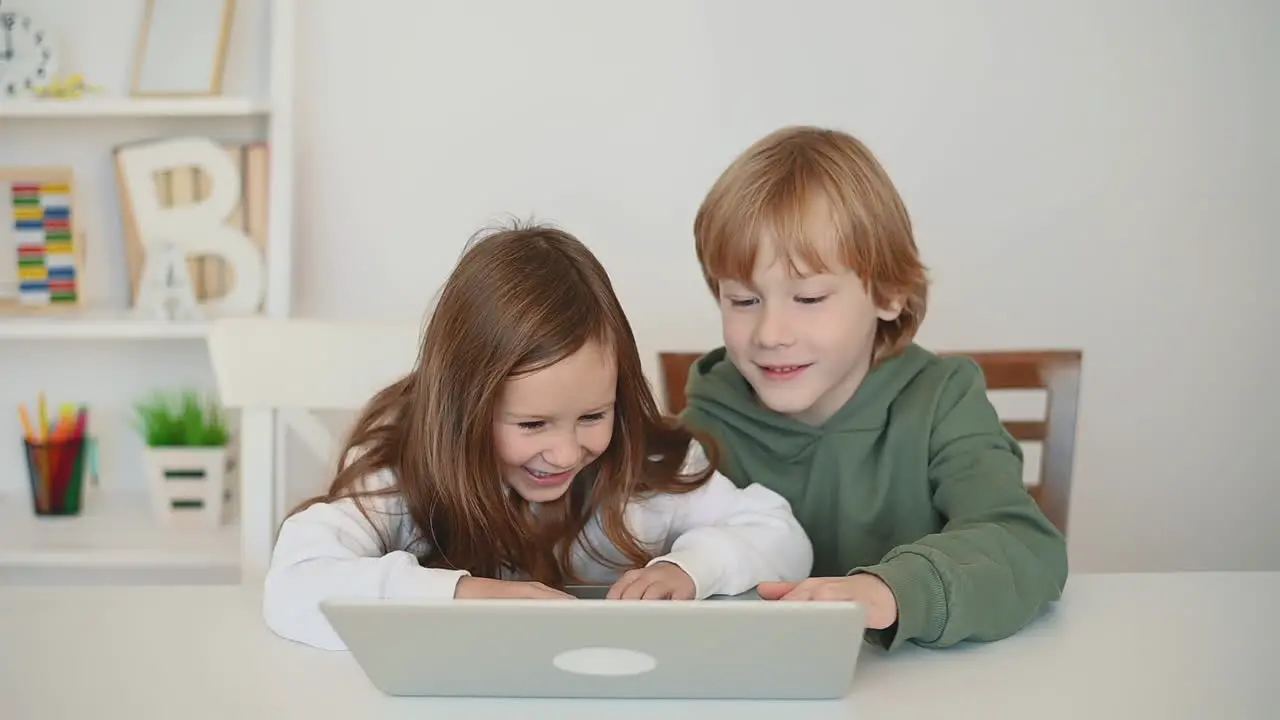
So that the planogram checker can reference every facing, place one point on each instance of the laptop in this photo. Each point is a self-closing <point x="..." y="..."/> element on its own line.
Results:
<point x="725" y="647"/>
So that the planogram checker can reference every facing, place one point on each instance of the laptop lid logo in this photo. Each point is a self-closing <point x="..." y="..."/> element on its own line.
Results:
<point x="606" y="661"/>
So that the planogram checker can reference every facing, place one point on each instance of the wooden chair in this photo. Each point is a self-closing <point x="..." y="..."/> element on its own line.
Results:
<point x="675" y="373"/>
<point x="1057" y="372"/>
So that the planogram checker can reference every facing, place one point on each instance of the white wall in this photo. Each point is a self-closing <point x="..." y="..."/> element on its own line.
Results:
<point x="1093" y="174"/>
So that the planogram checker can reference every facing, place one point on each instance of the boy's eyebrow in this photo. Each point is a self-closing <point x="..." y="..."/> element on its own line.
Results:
<point x="744" y="283"/>
<point x="812" y="275"/>
<point x="798" y="277"/>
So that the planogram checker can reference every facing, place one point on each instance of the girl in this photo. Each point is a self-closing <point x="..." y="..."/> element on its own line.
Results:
<point x="525" y="451"/>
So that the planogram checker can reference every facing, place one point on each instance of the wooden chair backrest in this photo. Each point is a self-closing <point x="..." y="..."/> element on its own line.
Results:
<point x="675" y="373"/>
<point x="1057" y="372"/>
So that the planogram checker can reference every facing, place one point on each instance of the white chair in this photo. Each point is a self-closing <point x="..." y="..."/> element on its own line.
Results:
<point x="276" y="373"/>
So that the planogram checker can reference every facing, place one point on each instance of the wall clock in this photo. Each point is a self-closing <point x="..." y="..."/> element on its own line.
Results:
<point x="28" y="56"/>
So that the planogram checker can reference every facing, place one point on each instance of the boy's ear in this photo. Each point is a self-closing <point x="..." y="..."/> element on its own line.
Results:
<point x="891" y="310"/>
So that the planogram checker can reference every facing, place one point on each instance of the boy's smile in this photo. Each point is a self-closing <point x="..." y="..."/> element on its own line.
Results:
<point x="783" y="372"/>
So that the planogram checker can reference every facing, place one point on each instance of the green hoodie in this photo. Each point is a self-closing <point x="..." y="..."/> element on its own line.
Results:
<point x="914" y="480"/>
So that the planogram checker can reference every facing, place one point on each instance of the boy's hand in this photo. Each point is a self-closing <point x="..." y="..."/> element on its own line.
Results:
<point x="882" y="606"/>
<point x="659" y="581"/>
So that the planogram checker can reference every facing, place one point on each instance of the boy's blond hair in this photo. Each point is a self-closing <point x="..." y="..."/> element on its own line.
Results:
<point x="803" y="183"/>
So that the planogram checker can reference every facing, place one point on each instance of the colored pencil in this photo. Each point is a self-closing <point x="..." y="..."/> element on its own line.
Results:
<point x="57" y="462"/>
<point x="42" y="475"/>
<point x="81" y="419"/>
<point x="65" y="424"/>
<point x="44" y="417"/>
<point x="26" y="422"/>
<point x="73" y="484"/>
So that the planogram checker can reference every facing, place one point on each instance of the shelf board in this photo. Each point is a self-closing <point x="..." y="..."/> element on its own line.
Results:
<point x="97" y="326"/>
<point x="128" y="107"/>
<point x="115" y="532"/>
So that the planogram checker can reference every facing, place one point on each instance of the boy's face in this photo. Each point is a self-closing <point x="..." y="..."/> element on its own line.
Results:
<point x="803" y="340"/>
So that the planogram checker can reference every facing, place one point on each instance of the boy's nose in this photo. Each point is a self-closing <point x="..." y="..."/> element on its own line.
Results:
<point x="773" y="330"/>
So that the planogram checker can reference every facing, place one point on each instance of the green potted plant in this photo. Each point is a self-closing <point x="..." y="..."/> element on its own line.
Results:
<point x="186" y="451"/>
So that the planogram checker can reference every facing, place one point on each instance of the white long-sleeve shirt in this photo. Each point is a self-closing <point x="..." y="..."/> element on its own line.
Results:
<point x="728" y="540"/>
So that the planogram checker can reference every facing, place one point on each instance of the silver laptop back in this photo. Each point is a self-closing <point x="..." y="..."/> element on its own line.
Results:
<point x="604" y="648"/>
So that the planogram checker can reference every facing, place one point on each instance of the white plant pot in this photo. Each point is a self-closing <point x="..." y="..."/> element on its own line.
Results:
<point x="188" y="485"/>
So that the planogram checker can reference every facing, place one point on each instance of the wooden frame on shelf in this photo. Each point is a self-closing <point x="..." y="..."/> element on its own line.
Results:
<point x="40" y="226"/>
<point x="195" y="34"/>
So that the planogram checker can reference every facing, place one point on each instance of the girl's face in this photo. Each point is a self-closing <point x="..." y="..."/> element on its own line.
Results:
<point x="552" y="423"/>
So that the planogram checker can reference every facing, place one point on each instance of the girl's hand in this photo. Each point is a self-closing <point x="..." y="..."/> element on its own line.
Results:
<point x="882" y="606"/>
<point x="470" y="588"/>
<point x="659" y="581"/>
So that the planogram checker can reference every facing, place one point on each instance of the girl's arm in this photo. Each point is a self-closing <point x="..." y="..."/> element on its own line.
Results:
<point x="730" y="539"/>
<point x="331" y="550"/>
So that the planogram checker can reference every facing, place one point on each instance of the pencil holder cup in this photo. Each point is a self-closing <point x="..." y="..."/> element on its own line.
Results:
<point x="56" y="469"/>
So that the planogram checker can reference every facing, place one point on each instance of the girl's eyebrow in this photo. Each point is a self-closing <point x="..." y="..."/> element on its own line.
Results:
<point x="522" y="416"/>
<point x="531" y="416"/>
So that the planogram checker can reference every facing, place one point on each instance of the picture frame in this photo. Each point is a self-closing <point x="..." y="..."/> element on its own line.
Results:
<point x="41" y="241"/>
<point x="182" y="48"/>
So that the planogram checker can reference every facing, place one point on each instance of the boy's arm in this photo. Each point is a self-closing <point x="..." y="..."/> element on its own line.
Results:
<point x="730" y="539"/>
<point x="998" y="560"/>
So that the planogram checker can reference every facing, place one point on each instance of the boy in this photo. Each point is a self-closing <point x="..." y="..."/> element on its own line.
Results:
<point x="893" y="458"/>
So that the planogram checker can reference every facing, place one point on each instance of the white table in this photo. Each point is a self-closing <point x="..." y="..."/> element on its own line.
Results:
<point x="1171" y="646"/>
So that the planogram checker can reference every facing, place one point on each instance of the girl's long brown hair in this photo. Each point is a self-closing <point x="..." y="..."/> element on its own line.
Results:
<point x="519" y="300"/>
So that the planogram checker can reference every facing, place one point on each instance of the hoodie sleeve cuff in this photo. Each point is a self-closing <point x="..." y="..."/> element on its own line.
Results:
<point x="921" y="599"/>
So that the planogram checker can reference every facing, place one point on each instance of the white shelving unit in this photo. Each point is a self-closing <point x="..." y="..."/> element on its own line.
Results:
<point x="100" y="107"/>
<point x="98" y="326"/>
<point x="116" y="540"/>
